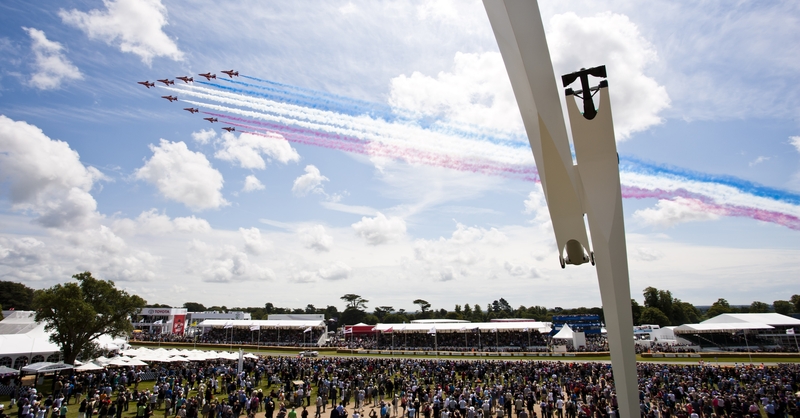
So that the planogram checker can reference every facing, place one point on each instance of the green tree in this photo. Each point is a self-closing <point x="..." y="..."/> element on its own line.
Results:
<point x="354" y="301"/>
<point x="382" y="311"/>
<point x="795" y="299"/>
<point x="424" y="306"/>
<point x="653" y="316"/>
<point x="783" y="307"/>
<point x="685" y="313"/>
<point x="719" y="307"/>
<point x="194" y="307"/>
<point x="636" y="311"/>
<point x="758" y="307"/>
<point x="78" y="312"/>
<point x="16" y="296"/>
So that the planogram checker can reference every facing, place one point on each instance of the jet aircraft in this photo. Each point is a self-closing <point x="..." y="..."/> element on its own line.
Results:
<point x="166" y="81"/>
<point x="186" y="79"/>
<point x="170" y="98"/>
<point x="212" y="120"/>
<point x="208" y="76"/>
<point x="229" y="129"/>
<point x="147" y="84"/>
<point x="191" y="109"/>
<point x="231" y="73"/>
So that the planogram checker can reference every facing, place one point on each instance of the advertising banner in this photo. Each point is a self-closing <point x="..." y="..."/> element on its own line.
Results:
<point x="179" y="324"/>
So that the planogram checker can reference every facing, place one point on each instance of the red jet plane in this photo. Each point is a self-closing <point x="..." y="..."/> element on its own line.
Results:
<point x="191" y="109"/>
<point x="231" y="73"/>
<point x="229" y="129"/>
<point x="186" y="79"/>
<point x="170" y="98"/>
<point x="212" y="120"/>
<point x="147" y="84"/>
<point x="166" y="81"/>
<point x="208" y="76"/>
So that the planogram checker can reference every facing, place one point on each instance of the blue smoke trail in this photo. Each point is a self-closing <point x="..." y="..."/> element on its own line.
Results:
<point x="635" y="165"/>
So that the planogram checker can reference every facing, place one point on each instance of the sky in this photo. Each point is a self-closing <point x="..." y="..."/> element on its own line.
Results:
<point x="378" y="150"/>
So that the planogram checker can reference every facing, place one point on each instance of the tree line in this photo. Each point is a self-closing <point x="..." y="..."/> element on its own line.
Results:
<point x="79" y="311"/>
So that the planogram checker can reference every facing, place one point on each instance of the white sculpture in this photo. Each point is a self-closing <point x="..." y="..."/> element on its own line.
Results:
<point x="591" y="186"/>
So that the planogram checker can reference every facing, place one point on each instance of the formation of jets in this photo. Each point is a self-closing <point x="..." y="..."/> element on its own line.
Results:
<point x="186" y="80"/>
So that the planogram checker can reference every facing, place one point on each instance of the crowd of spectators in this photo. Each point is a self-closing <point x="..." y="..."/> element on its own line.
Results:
<point x="411" y="388"/>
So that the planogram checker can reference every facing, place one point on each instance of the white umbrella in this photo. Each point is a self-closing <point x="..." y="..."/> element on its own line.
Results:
<point x="88" y="367"/>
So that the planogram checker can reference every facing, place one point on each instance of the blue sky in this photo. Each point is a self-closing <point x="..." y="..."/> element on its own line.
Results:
<point x="99" y="173"/>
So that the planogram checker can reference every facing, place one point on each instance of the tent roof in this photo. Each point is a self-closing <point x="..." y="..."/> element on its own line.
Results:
<point x="465" y="327"/>
<point x="718" y="327"/>
<point x="5" y="370"/>
<point x="774" y="319"/>
<point x="565" y="333"/>
<point x="263" y="323"/>
<point x="45" y="367"/>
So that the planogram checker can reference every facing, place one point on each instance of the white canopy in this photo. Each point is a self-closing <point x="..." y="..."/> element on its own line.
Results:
<point x="515" y="326"/>
<point x="88" y="367"/>
<point x="565" y="333"/>
<point x="45" y="367"/>
<point x="718" y="327"/>
<point x="261" y="324"/>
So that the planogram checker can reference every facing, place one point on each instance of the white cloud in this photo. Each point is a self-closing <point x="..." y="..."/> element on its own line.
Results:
<point x="315" y="238"/>
<point x="354" y="209"/>
<point x="795" y="141"/>
<point x="246" y="150"/>
<point x="614" y="41"/>
<point x="184" y="176"/>
<point x="108" y="256"/>
<point x="224" y="264"/>
<point x="252" y="183"/>
<point x="521" y="271"/>
<point x="645" y="253"/>
<point x="760" y="159"/>
<point x="204" y="136"/>
<point x="336" y="271"/>
<point x="311" y="182"/>
<point x="21" y="252"/>
<point x="668" y="213"/>
<point x="136" y="26"/>
<point x="380" y="229"/>
<point x="45" y="176"/>
<point x="153" y="223"/>
<point x="51" y="67"/>
<point x="476" y="92"/>
<point x="253" y="243"/>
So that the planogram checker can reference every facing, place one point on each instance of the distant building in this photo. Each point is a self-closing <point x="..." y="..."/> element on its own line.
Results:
<point x="161" y="321"/>
<point x="296" y="317"/>
<point x="199" y="317"/>
<point x="745" y="330"/>
<point x="587" y="324"/>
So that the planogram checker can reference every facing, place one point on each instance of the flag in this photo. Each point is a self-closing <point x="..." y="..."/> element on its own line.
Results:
<point x="194" y="323"/>
<point x="228" y="324"/>
<point x="254" y="327"/>
<point x="432" y="331"/>
<point x="159" y="322"/>
<point x="390" y="329"/>
<point x="307" y="330"/>
<point x="348" y="330"/>
<point x="494" y="329"/>
<point x="525" y="330"/>
<point x="790" y="331"/>
<point x="464" y="329"/>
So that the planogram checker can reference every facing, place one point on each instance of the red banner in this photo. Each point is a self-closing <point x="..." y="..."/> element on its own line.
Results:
<point x="179" y="324"/>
